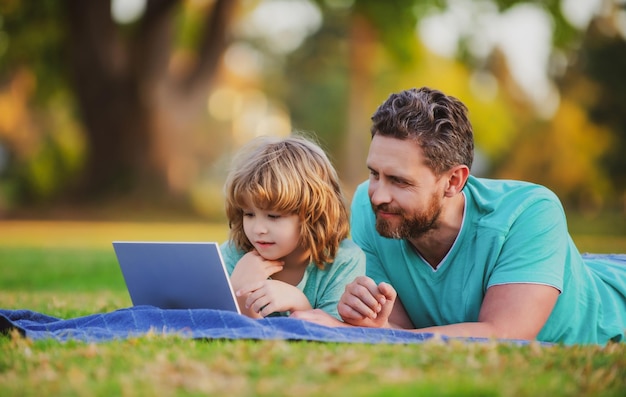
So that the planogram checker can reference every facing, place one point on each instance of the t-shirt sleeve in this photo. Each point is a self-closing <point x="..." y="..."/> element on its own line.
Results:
<point x="231" y="255"/>
<point x="349" y="264"/>
<point x="535" y="248"/>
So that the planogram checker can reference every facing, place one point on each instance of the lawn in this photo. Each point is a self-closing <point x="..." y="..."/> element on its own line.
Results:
<point x="68" y="269"/>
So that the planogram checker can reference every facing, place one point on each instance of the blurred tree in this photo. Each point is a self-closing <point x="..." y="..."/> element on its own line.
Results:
<point x="43" y="146"/>
<point x="602" y="59"/>
<point x="128" y="80"/>
<point x="338" y="94"/>
<point x="375" y="45"/>
<point x="139" y="87"/>
<point x="370" y="41"/>
<point x="131" y="81"/>
<point x="327" y="96"/>
<point x="562" y="153"/>
<point x="579" y="152"/>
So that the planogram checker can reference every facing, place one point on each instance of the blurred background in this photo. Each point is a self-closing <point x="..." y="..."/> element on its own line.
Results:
<point x="132" y="109"/>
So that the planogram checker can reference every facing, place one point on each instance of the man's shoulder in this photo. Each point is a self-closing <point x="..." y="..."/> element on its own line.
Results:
<point x="361" y="189"/>
<point x="487" y="191"/>
<point x="507" y="199"/>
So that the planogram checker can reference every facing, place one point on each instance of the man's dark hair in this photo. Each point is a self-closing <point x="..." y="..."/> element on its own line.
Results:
<point x="437" y="122"/>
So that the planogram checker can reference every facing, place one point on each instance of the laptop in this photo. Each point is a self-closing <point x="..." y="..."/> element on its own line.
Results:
<point x="176" y="275"/>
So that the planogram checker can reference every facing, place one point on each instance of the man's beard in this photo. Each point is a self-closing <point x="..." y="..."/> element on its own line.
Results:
<point x="411" y="226"/>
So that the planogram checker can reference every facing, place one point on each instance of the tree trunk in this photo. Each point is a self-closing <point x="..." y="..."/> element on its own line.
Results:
<point x="115" y="116"/>
<point x="362" y="51"/>
<point x="126" y="89"/>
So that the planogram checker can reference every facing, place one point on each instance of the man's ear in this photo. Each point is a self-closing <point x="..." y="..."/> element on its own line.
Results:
<point x="457" y="177"/>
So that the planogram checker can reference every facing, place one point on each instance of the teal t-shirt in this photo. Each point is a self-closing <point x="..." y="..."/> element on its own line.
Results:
<point x="323" y="288"/>
<point x="512" y="232"/>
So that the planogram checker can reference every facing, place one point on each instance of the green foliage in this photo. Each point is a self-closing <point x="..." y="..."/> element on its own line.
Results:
<point x="35" y="35"/>
<point x="189" y="27"/>
<point x="57" y="155"/>
<point x="563" y="154"/>
<point x="395" y="22"/>
<point x="318" y="84"/>
<point x="314" y="83"/>
<point x="46" y="140"/>
<point x="603" y="59"/>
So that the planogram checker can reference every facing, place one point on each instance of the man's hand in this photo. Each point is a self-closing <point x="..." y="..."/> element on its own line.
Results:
<point x="366" y="304"/>
<point x="318" y="316"/>
<point x="269" y="296"/>
<point x="253" y="268"/>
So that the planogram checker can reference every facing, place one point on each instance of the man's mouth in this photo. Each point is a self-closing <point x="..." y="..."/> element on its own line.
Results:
<point x="387" y="212"/>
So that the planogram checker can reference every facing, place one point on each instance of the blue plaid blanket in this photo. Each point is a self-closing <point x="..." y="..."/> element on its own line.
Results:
<point x="192" y="323"/>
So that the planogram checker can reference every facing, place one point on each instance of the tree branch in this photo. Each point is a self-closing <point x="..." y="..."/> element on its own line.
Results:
<point x="214" y="42"/>
<point x="151" y="45"/>
<point x="93" y="40"/>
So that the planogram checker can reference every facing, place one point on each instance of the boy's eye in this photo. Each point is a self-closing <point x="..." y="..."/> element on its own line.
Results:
<point x="273" y="216"/>
<point x="245" y="213"/>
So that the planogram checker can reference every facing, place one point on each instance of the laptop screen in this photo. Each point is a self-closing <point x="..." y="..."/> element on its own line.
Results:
<point x="176" y="275"/>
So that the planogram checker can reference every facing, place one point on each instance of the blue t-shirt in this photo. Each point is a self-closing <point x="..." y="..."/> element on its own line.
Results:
<point x="512" y="232"/>
<point x="323" y="288"/>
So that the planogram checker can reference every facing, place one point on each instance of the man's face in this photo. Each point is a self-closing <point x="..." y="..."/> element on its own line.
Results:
<point x="405" y="194"/>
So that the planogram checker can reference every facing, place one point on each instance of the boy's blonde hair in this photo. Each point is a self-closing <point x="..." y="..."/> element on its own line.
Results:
<point x="289" y="175"/>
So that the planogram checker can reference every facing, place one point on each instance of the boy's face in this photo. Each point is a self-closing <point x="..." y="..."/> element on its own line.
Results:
<point x="273" y="234"/>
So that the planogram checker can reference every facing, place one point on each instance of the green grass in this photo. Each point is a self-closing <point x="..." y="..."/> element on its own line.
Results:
<point x="170" y="366"/>
<point x="64" y="269"/>
<point x="67" y="281"/>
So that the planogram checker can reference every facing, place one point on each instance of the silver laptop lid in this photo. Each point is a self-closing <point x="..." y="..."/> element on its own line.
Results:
<point x="176" y="275"/>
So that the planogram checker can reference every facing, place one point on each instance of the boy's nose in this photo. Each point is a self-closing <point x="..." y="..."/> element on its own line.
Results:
<point x="259" y="228"/>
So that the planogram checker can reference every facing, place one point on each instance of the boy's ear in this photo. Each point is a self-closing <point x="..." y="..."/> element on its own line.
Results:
<point x="457" y="177"/>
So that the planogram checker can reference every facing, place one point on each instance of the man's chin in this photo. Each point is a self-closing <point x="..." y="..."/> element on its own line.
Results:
<point x="387" y="231"/>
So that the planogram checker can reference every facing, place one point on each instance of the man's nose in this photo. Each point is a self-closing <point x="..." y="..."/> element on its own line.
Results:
<point x="379" y="193"/>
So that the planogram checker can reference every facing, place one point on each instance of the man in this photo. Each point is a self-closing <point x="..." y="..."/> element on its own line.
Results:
<point x="463" y="256"/>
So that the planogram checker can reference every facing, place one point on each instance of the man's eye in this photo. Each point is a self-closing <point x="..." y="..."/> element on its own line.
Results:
<point x="399" y="181"/>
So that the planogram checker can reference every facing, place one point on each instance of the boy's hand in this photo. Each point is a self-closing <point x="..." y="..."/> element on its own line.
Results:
<point x="253" y="268"/>
<point x="269" y="296"/>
